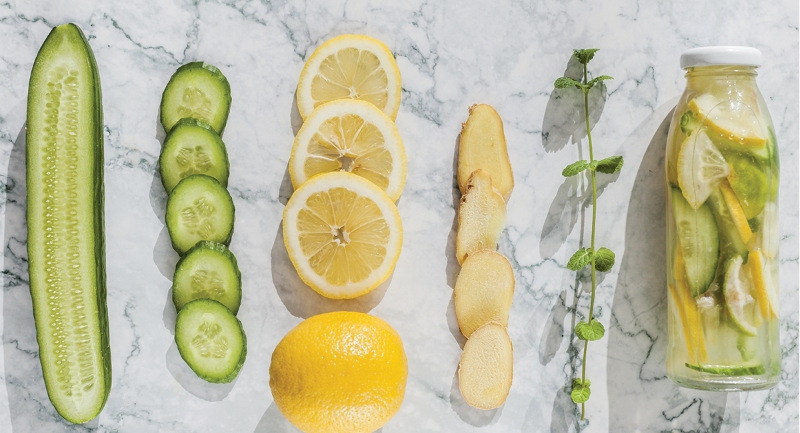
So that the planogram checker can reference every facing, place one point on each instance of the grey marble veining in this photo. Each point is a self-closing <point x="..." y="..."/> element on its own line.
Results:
<point x="451" y="54"/>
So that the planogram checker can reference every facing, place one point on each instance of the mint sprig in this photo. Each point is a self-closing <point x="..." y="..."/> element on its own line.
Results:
<point x="603" y="259"/>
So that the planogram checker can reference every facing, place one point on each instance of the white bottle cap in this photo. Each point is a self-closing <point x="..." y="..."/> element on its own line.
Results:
<point x="710" y="56"/>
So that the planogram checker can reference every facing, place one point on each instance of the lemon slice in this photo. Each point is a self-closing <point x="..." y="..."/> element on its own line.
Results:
<point x="354" y="136"/>
<point x="757" y="272"/>
<point x="343" y="234"/>
<point x="732" y="120"/>
<point x="739" y="298"/>
<point x="353" y="67"/>
<point x="701" y="168"/>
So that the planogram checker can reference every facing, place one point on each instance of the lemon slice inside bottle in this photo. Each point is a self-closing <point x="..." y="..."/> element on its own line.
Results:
<point x="343" y="234"/>
<point x="701" y="168"/>
<point x="732" y="120"/>
<point x="353" y="136"/>
<point x="739" y="300"/>
<point x="350" y="67"/>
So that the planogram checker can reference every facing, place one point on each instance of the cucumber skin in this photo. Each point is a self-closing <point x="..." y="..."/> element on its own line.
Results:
<point x="235" y="372"/>
<point x="99" y="215"/>
<point x="711" y="271"/>
<point x="208" y="245"/>
<point x="225" y="242"/>
<point x="216" y="73"/>
<point x="201" y="124"/>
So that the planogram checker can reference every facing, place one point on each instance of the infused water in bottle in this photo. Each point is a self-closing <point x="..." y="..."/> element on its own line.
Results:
<point x="722" y="176"/>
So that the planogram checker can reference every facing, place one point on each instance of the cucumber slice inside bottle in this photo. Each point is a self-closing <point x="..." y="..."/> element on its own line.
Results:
<point x="749" y="368"/>
<point x="66" y="240"/>
<point x="192" y="147"/>
<point x="208" y="271"/>
<point x="730" y="240"/>
<point x="211" y="340"/>
<point x="699" y="239"/>
<point x="197" y="90"/>
<point x="199" y="209"/>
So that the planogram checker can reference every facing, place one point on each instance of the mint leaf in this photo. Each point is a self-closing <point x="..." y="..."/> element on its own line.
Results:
<point x="580" y="391"/>
<point x="590" y="331"/>
<point x="610" y="165"/>
<point x="585" y="55"/>
<point x="593" y="164"/>
<point x="564" y="82"/>
<point x="596" y="80"/>
<point x="581" y="258"/>
<point x="604" y="259"/>
<point x="575" y="168"/>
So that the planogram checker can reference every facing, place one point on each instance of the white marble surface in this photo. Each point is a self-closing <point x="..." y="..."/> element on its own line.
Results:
<point x="451" y="54"/>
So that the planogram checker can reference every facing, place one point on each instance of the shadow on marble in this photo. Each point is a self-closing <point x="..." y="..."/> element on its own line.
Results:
<point x="273" y="421"/>
<point x="301" y="300"/>
<point x="470" y="415"/>
<point x="452" y="322"/>
<point x="554" y="331"/>
<point x="286" y="189"/>
<point x="190" y="382"/>
<point x="170" y="314"/>
<point x="565" y="117"/>
<point x="639" y="394"/>
<point x="453" y="268"/>
<point x="164" y="256"/>
<point x="295" y="118"/>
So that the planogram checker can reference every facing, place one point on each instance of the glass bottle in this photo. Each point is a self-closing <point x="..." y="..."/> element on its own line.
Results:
<point x="722" y="176"/>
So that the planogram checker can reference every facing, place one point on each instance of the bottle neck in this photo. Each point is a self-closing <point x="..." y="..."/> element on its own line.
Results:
<point x="728" y="72"/>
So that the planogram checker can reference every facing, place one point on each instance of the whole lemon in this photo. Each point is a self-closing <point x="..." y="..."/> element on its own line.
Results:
<point x="339" y="372"/>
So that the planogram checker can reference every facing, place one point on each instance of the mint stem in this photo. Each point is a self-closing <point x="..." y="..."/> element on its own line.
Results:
<point x="594" y="220"/>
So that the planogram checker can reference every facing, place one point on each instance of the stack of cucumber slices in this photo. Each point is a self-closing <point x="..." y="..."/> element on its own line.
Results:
<point x="723" y="205"/>
<point x="207" y="285"/>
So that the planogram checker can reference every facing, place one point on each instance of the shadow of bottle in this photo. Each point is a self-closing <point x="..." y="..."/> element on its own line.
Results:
<point x="640" y="397"/>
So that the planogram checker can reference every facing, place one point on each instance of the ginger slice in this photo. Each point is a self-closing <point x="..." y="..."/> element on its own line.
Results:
<point x="487" y="367"/>
<point x="484" y="291"/>
<point x="481" y="216"/>
<point x="483" y="146"/>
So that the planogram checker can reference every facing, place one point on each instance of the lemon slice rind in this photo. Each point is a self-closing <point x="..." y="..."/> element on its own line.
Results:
<point x="360" y="111"/>
<point x="739" y="125"/>
<point x="306" y="102"/>
<point x="363" y="188"/>
<point x="701" y="168"/>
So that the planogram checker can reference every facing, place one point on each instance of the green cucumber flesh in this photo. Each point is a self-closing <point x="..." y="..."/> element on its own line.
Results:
<point x="192" y="147"/>
<point x="699" y="238"/>
<point x="211" y="340"/>
<point x="208" y="271"/>
<point x="199" y="209"/>
<point x="196" y="90"/>
<point x="740" y="304"/>
<point x="66" y="240"/>
<point x="730" y="241"/>
<point x="748" y="368"/>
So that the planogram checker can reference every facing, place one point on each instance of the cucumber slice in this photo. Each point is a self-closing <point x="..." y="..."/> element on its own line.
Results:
<point x="192" y="147"/>
<point x="211" y="340"/>
<point x="208" y="271"/>
<point x="199" y="209"/>
<point x="699" y="239"/>
<point x="730" y="240"/>
<point x="196" y="90"/>
<point x="66" y="241"/>
<point x="749" y="368"/>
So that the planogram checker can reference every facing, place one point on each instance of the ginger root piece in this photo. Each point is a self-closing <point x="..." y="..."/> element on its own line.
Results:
<point x="484" y="291"/>
<point x="487" y="366"/>
<point x="481" y="216"/>
<point x="483" y="146"/>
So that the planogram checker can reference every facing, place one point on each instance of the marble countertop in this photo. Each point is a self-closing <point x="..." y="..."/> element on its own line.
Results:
<point x="451" y="55"/>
